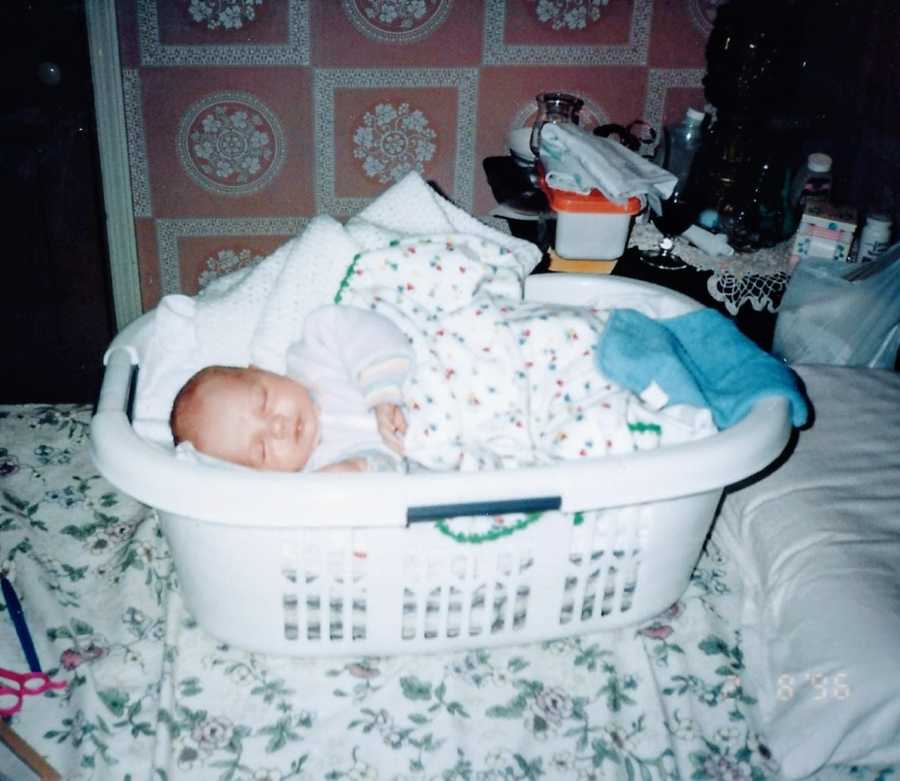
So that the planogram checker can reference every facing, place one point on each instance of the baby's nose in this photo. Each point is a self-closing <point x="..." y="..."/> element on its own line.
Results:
<point x="278" y="426"/>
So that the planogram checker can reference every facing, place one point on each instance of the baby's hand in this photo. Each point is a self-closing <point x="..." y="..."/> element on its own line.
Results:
<point x="391" y="425"/>
<point x="348" y="465"/>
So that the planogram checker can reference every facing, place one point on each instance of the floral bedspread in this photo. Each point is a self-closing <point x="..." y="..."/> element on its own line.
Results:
<point x="151" y="696"/>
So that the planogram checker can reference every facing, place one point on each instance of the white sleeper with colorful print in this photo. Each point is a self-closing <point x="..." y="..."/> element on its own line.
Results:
<point x="499" y="382"/>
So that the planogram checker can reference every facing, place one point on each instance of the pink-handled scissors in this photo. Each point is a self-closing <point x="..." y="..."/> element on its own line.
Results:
<point x="24" y="684"/>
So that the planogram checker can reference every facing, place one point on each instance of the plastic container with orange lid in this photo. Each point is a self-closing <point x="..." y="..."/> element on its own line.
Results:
<point x="590" y="226"/>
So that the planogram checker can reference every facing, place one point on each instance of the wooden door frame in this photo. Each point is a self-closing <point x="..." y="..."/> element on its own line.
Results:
<point x="115" y="176"/>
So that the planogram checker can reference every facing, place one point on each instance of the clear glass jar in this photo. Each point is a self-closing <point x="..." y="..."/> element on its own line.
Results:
<point x="557" y="108"/>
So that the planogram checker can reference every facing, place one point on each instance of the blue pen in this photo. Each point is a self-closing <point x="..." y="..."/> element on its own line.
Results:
<point x="18" y="618"/>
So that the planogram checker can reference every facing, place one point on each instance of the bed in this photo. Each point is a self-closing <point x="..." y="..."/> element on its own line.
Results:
<point x="779" y="660"/>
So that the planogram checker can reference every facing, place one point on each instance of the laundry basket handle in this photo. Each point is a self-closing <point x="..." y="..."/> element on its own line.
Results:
<point x="431" y="512"/>
<point x="117" y="393"/>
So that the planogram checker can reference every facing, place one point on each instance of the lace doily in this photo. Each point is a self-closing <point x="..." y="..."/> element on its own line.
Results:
<point x="758" y="278"/>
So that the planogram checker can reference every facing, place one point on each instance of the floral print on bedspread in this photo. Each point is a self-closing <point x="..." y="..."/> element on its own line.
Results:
<point x="150" y="695"/>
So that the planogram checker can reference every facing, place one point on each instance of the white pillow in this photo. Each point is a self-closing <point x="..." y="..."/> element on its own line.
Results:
<point x="172" y="354"/>
<point x="818" y="546"/>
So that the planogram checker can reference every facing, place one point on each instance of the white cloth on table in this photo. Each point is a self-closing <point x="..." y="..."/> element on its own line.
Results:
<point x="758" y="278"/>
<point x="577" y="161"/>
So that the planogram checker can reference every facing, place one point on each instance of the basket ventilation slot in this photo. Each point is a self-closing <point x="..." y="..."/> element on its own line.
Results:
<point x="465" y="595"/>
<point x="324" y="594"/>
<point x="603" y="566"/>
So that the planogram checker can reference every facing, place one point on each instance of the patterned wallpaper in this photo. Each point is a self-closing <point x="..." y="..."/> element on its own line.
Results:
<point x="246" y="118"/>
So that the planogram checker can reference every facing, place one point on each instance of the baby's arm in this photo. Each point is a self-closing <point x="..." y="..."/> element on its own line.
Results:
<point x="374" y="353"/>
<point x="382" y="386"/>
<point x="371" y="349"/>
<point x="381" y="372"/>
<point x="367" y="461"/>
<point x="377" y="355"/>
<point x="348" y="465"/>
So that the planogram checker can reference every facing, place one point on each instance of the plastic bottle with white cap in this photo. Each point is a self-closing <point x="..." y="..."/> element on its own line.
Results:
<point x="874" y="238"/>
<point x="812" y="182"/>
<point x="681" y="144"/>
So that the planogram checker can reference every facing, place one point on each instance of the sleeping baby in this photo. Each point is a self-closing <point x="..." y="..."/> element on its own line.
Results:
<point x="495" y="384"/>
<point x="337" y="409"/>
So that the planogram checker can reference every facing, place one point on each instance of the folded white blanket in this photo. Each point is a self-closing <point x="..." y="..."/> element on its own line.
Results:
<point x="252" y="315"/>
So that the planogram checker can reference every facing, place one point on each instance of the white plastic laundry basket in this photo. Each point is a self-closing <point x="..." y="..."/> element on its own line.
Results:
<point x="327" y="564"/>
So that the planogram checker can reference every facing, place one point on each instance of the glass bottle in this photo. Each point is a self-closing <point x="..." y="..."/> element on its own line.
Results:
<point x="557" y="108"/>
<point x="754" y="217"/>
<point x="754" y="63"/>
<point x="741" y="183"/>
<point x="727" y="150"/>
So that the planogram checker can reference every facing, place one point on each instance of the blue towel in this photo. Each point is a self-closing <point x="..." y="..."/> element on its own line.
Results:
<point x="700" y="358"/>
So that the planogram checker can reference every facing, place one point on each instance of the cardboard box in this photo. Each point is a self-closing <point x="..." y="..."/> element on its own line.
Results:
<point x="825" y="233"/>
<point x="558" y="263"/>
<point x="829" y="216"/>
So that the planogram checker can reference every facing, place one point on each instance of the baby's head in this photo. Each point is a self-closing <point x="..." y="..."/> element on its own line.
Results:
<point x="249" y="416"/>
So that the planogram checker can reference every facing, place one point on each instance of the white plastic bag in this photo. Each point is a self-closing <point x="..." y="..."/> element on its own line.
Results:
<point x="841" y="314"/>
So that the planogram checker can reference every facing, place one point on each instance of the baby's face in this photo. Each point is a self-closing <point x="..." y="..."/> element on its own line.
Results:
<point x="257" y="419"/>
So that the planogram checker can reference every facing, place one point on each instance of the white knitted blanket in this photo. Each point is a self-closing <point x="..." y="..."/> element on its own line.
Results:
<point x="252" y="315"/>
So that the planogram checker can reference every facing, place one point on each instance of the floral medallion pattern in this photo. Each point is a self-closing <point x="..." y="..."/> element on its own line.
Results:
<point x="396" y="21"/>
<point x="224" y="262"/>
<point x="223" y="14"/>
<point x="150" y="695"/>
<point x="392" y="141"/>
<point x="230" y="143"/>
<point x="223" y="33"/>
<point x="563" y="22"/>
<point x="568" y="14"/>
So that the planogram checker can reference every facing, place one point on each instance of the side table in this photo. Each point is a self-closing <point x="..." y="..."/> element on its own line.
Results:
<point x="747" y="287"/>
